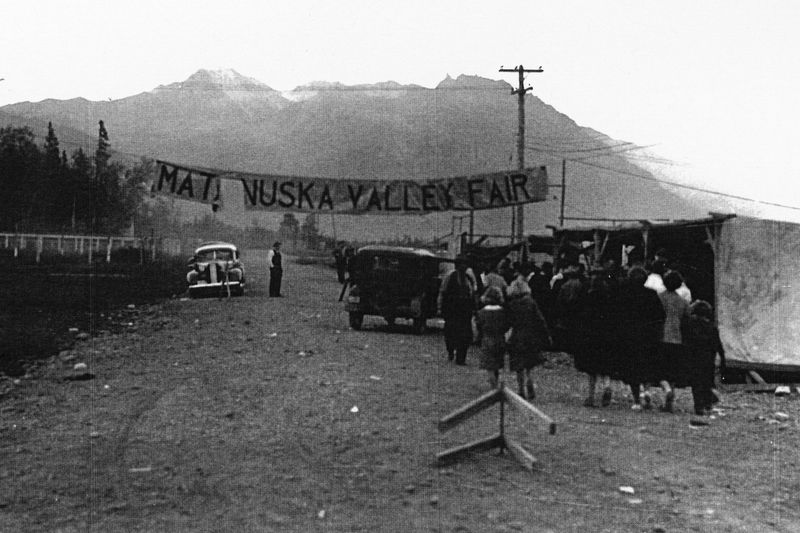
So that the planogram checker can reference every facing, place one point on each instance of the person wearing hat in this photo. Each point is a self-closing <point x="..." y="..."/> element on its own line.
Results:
<point x="275" y="263"/>
<point x="456" y="303"/>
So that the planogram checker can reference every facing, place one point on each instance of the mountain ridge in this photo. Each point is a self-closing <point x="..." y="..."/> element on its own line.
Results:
<point x="465" y="125"/>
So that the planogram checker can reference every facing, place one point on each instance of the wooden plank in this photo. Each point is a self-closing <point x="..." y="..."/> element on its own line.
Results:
<point x="756" y="377"/>
<point x="520" y="454"/>
<point x="753" y="387"/>
<point x="481" y="445"/>
<point x="469" y="410"/>
<point x="519" y="403"/>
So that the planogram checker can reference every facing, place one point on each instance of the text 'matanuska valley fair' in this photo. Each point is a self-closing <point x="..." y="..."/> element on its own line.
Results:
<point x="292" y="193"/>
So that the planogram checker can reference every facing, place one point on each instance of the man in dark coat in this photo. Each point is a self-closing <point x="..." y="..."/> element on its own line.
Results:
<point x="456" y="305"/>
<point x="340" y="261"/>
<point x="275" y="263"/>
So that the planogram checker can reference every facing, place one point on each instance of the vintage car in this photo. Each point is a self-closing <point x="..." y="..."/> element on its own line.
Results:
<point x="394" y="282"/>
<point x="215" y="269"/>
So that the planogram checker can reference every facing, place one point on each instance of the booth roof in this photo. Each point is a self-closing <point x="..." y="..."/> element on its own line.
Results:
<point x="587" y="233"/>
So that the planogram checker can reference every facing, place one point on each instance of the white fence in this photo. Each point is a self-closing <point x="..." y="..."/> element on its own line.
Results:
<point x="89" y="245"/>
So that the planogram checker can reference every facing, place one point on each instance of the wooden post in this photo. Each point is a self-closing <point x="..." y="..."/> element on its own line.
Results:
<point x="480" y="445"/>
<point x="646" y="239"/>
<point x="39" y="248"/>
<point x="502" y="415"/>
<point x="522" y="455"/>
<point x="469" y="410"/>
<point x="522" y="405"/>
<point x="91" y="249"/>
<point x="471" y="226"/>
<point x="503" y="395"/>
<point x="596" y="238"/>
<point x="563" y="191"/>
<point x="108" y="249"/>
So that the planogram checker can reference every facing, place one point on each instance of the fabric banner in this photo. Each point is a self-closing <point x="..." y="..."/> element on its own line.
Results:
<point x="758" y="297"/>
<point x="392" y="197"/>
<point x="266" y="192"/>
<point x="192" y="184"/>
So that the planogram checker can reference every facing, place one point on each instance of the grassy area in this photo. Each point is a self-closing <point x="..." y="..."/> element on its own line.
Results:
<point x="39" y="303"/>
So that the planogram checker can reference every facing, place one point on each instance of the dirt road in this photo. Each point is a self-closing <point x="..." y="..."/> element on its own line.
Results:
<point x="260" y="414"/>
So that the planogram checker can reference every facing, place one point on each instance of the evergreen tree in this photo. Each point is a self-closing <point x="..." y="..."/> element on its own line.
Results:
<point x="51" y="150"/>
<point x="80" y="176"/>
<point x="20" y="164"/>
<point x="44" y="191"/>
<point x="51" y="208"/>
<point x="102" y="155"/>
<point x="105" y="190"/>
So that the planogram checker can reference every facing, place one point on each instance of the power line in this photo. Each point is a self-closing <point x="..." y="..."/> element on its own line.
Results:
<point x="582" y="161"/>
<point x="570" y="139"/>
<point x="645" y="158"/>
<point x="684" y="186"/>
<point x="580" y="150"/>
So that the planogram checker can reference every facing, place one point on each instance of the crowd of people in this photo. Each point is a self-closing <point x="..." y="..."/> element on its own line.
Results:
<point x="638" y="325"/>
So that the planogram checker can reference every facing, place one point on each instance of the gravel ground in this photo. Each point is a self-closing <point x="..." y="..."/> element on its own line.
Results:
<point x="260" y="414"/>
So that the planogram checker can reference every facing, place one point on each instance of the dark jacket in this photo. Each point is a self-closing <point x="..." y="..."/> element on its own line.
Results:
<point x="640" y="323"/>
<point x="457" y="296"/>
<point x="702" y="339"/>
<point x="640" y="315"/>
<point x="529" y="333"/>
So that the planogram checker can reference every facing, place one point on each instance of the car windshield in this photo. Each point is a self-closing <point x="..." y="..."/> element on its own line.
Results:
<point x="394" y="266"/>
<point x="215" y="255"/>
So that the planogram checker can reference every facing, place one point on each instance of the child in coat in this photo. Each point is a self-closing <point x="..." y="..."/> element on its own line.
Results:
<point x="492" y="323"/>
<point x="703" y="342"/>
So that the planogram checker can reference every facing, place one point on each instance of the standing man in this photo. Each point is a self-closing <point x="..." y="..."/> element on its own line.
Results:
<point x="341" y="261"/>
<point x="274" y="261"/>
<point x="456" y="305"/>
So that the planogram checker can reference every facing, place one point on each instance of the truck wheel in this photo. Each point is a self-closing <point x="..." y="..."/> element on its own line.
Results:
<point x="390" y="320"/>
<point x="419" y="325"/>
<point x="356" y="319"/>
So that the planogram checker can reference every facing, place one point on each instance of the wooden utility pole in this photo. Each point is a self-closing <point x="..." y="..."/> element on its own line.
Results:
<point x="563" y="190"/>
<point x="520" y="92"/>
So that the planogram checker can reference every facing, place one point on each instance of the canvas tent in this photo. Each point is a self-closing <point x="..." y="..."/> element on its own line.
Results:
<point x="748" y="268"/>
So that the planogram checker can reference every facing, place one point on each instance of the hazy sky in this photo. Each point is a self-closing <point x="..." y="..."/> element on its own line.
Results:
<point x="712" y="84"/>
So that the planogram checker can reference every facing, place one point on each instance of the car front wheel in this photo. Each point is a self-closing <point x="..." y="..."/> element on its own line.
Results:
<point x="356" y="319"/>
<point x="419" y="325"/>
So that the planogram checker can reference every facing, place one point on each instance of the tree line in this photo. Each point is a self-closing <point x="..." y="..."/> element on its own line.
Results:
<point x="45" y="190"/>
